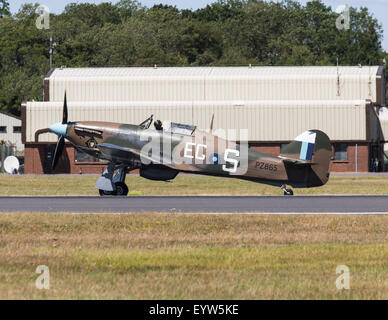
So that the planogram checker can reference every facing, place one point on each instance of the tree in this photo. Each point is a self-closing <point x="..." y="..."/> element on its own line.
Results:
<point x="128" y="8"/>
<point x="4" y="8"/>
<point x="226" y="32"/>
<point x="361" y="44"/>
<point x="385" y="61"/>
<point x="200" y="43"/>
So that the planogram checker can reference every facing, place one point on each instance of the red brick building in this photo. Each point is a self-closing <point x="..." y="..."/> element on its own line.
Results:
<point x="39" y="159"/>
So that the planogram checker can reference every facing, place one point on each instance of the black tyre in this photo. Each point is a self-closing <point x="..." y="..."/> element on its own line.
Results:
<point x="288" y="192"/>
<point x="121" y="189"/>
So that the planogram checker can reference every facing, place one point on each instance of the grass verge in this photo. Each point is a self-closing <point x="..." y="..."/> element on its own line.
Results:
<point x="182" y="185"/>
<point x="159" y="256"/>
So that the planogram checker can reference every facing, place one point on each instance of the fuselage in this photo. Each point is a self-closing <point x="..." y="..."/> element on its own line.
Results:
<point x="199" y="152"/>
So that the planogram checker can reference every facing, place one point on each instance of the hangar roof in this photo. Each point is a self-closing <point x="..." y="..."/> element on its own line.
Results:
<point x="216" y="83"/>
<point x="9" y="115"/>
<point x="212" y="71"/>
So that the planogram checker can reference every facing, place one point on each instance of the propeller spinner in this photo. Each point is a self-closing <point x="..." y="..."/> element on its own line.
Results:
<point x="60" y="129"/>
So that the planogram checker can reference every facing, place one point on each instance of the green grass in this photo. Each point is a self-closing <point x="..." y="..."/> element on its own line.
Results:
<point x="160" y="256"/>
<point x="182" y="185"/>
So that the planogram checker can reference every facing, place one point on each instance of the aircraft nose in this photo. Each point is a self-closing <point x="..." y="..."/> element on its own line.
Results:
<point x="59" y="129"/>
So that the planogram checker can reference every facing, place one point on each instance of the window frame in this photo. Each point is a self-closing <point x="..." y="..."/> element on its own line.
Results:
<point x="345" y="151"/>
<point x="19" y="128"/>
<point x="93" y="161"/>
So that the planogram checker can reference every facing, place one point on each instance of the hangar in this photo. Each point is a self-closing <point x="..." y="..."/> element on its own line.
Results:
<point x="275" y="104"/>
<point x="10" y="130"/>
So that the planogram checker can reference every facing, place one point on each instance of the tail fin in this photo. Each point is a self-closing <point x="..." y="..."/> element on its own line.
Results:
<point x="307" y="158"/>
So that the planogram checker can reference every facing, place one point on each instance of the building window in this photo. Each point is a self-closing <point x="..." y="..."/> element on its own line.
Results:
<point x="3" y="129"/>
<point x="340" y="151"/>
<point x="17" y="129"/>
<point x="84" y="157"/>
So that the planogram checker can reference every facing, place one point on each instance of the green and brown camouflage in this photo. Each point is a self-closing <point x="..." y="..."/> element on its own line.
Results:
<point x="162" y="152"/>
<point x="123" y="143"/>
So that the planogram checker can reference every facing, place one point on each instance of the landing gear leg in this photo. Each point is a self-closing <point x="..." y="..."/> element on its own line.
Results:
<point x="119" y="182"/>
<point x="110" y="184"/>
<point x="287" y="192"/>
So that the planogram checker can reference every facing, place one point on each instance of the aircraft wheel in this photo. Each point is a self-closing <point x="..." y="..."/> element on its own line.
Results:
<point x="121" y="189"/>
<point x="106" y="193"/>
<point x="288" y="192"/>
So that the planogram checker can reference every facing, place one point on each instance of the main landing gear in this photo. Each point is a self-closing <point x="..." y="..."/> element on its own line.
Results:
<point x="111" y="184"/>
<point x="287" y="192"/>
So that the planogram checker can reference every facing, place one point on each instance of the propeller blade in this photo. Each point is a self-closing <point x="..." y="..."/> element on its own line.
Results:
<point x="64" y="120"/>
<point x="58" y="152"/>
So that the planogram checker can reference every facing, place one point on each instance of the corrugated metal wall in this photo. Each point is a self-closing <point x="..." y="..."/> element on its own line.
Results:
<point x="376" y="132"/>
<point x="10" y="122"/>
<point x="265" y="120"/>
<point x="214" y="83"/>
<point x="384" y="129"/>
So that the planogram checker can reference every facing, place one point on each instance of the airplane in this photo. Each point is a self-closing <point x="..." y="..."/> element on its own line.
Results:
<point x="303" y="163"/>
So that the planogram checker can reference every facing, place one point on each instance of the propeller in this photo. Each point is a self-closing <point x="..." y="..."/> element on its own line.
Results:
<point x="58" y="152"/>
<point x="64" y="119"/>
<point x="60" y="130"/>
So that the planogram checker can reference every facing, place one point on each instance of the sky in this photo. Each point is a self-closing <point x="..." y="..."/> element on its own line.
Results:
<point x="379" y="8"/>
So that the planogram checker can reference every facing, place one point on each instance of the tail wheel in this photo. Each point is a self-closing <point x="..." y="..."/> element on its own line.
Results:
<point x="121" y="189"/>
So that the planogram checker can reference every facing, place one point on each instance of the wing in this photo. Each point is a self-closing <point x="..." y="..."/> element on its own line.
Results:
<point x="125" y="153"/>
<point x="117" y="152"/>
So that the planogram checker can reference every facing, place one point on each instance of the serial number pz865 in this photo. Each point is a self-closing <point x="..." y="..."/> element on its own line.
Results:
<point x="266" y="166"/>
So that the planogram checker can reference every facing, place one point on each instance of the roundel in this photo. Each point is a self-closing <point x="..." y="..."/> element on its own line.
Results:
<point x="214" y="158"/>
<point x="91" y="143"/>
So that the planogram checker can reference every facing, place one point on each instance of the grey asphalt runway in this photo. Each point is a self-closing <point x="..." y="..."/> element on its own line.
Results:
<point x="199" y="204"/>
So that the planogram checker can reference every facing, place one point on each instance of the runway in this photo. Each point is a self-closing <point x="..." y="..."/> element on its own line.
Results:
<point x="201" y="204"/>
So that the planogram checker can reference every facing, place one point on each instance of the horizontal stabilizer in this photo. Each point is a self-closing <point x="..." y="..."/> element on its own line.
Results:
<point x="298" y="162"/>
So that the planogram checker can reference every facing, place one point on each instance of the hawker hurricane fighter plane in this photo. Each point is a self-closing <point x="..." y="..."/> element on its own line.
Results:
<point x="160" y="153"/>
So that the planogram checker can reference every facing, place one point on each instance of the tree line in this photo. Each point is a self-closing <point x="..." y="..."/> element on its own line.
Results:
<point x="224" y="33"/>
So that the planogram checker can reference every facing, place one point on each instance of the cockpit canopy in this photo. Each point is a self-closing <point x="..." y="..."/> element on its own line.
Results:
<point x="185" y="129"/>
<point x="146" y="123"/>
<point x="172" y="127"/>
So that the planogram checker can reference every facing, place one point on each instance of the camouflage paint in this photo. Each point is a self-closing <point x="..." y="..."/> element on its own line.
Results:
<point x="125" y="144"/>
